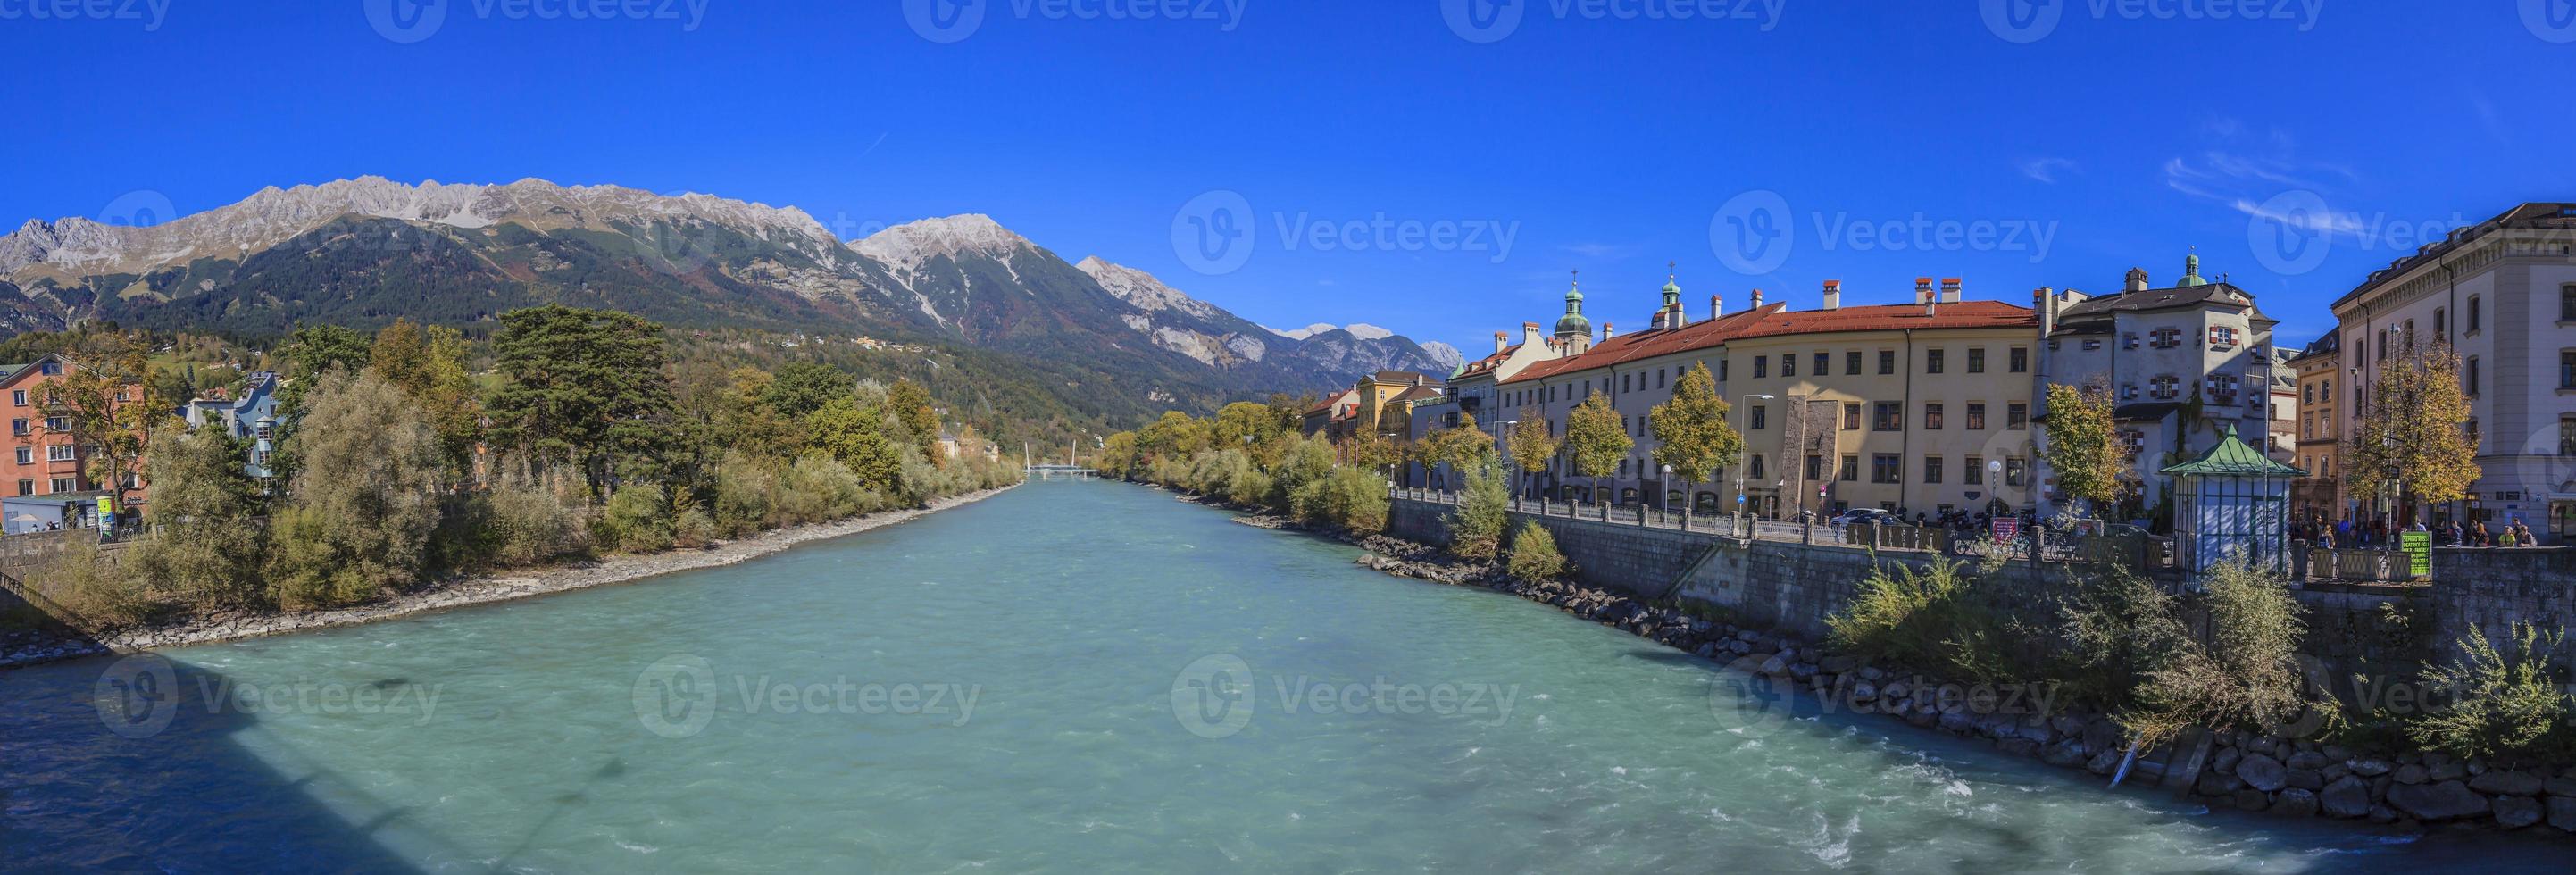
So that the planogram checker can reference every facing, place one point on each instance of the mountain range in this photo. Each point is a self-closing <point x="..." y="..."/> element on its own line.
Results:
<point x="366" y="251"/>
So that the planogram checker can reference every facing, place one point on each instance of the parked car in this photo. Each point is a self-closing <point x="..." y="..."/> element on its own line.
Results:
<point x="1870" y="515"/>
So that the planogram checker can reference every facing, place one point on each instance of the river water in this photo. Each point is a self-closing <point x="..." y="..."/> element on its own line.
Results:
<point x="1069" y="677"/>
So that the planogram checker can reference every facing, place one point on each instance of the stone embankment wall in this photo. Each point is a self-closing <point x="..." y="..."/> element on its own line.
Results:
<point x="23" y="555"/>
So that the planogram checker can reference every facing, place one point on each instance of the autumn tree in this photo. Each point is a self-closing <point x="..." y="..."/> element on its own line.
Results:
<point x="1532" y="443"/>
<point x="1247" y="419"/>
<point x="366" y="501"/>
<point x="1370" y="449"/>
<point x="94" y="401"/>
<point x="1596" y="439"/>
<point x="207" y="547"/>
<point x="2412" y="430"/>
<point x="800" y="388"/>
<point x="910" y="405"/>
<point x="857" y="437"/>
<point x="1462" y="446"/>
<point x="1691" y="433"/>
<point x="429" y="364"/>
<point x="2082" y="445"/>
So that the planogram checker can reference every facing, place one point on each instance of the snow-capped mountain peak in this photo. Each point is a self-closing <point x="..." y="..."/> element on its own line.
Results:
<point x="904" y="248"/>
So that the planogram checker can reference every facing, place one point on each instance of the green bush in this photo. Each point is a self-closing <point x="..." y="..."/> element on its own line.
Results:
<point x="2499" y="704"/>
<point x="746" y="495"/>
<point x="1353" y="498"/>
<point x="1484" y="511"/>
<point x="1929" y="620"/>
<point x="1251" y="488"/>
<point x="1534" y="556"/>
<point x="637" y="520"/>
<point x="525" y="524"/>
<point x="304" y="568"/>
<point x="2245" y="677"/>
<point x="97" y="590"/>
<point x="693" y="529"/>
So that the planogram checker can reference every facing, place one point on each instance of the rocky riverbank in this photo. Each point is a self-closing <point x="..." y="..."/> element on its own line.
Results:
<point x="2290" y="777"/>
<point x="29" y="648"/>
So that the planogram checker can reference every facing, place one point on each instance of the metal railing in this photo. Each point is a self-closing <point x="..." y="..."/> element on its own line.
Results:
<point x="2135" y="549"/>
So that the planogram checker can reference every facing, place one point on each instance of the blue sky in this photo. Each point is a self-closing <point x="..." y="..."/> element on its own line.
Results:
<point x="2296" y="144"/>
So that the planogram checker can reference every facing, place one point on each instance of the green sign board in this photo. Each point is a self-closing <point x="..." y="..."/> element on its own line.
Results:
<point x="2419" y="552"/>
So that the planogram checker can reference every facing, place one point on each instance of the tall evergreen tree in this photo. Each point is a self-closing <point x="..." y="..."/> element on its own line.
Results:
<point x="586" y="390"/>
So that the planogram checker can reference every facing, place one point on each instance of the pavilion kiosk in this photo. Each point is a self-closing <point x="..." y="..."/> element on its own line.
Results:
<point x="2232" y="502"/>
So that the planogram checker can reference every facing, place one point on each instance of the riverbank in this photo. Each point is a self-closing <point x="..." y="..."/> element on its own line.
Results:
<point x="30" y="648"/>
<point x="2301" y="777"/>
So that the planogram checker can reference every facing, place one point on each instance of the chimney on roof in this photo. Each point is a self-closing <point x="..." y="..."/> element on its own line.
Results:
<point x="2043" y="301"/>
<point x="2136" y="281"/>
<point x="1950" y="290"/>
<point x="1757" y="299"/>
<point x="1833" y="295"/>
<point x="1530" y="336"/>
<point x="1922" y="290"/>
<point x="1501" y="341"/>
<point x="1607" y="330"/>
<point x="1716" y="306"/>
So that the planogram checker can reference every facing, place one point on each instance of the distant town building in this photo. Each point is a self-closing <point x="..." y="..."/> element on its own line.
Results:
<point x="2185" y="365"/>
<point x="48" y="460"/>
<point x="2502" y="294"/>
<point x="2318" y="496"/>
<point x="249" y="416"/>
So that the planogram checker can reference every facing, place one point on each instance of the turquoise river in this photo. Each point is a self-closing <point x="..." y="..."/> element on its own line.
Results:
<point x="1068" y="677"/>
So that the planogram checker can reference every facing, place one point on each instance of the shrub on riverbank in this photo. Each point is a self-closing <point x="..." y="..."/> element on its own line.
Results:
<point x="1352" y="498"/>
<point x="2245" y="676"/>
<point x="637" y="520"/>
<point x="1534" y="556"/>
<point x="1276" y="470"/>
<point x="2499" y="702"/>
<point x="1931" y="619"/>
<point x="1484" y="511"/>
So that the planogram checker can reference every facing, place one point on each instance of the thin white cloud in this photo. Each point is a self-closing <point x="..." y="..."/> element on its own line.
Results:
<point x="2045" y="170"/>
<point x="1604" y="250"/>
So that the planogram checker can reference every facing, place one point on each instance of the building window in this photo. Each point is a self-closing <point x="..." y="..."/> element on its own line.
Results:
<point x="64" y="484"/>
<point x="1755" y="469"/>
<point x="1788" y="364"/>
<point x="2567" y="435"/>
<point x="1623" y="382"/>
<point x="26" y="455"/>
<point x="2567" y="303"/>
<point x="2016" y="471"/>
<point x="2020" y="360"/>
<point x="2165" y="338"/>
<point x="1721" y="370"/>
<point x="2473" y="313"/>
<point x="1976" y="359"/>
<point x="18" y="398"/>
<point x="2567" y="369"/>
<point x="1888" y="416"/>
<point x="1851" y="469"/>
<point x="1761" y="418"/>
<point x="1824" y="363"/>
<point x="2469" y="376"/>
<point x="1659" y="378"/>
<point x="1851" y="417"/>
<point x="1932" y="361"/>
<point x="1932" y="416"/>
<point x="1976" y="416"/>
<point x="2016" y="416"/>
<point x="1761" y="366"/>
<point x="18" y="427"/>
<point x="1884" y="469"/>
<point x="50" y="368"/>
<point x="1932" y="469"/>
<point x="2437" y="321"/>
<point x="1851" y="363"/>
<point x="61" y="453"/>
<point x="58" y="423"/>
<point x="1974" y="467"/>
<point x="2092" y="345"/>
<point x="2223" y="337"/>
<point x="1886" y="362"/>
<point x="26" y="487"/>
<point x="1815" y="467"/>
<point x="2128" y="391"/>
<point x="2164" y="388"/>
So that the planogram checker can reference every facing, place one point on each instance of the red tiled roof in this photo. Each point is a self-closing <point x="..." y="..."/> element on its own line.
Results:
<point x="1776" y="320"/>
<point x="1487" y="363"/>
